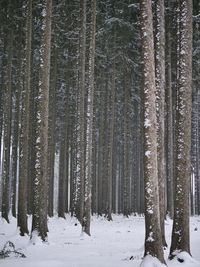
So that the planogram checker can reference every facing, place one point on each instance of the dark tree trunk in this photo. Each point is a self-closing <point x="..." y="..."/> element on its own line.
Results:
<point x="51" y="132"/>
<point x="39" y="223"/>
<point x="24" y="131"/>
<point x="7" y="125"/>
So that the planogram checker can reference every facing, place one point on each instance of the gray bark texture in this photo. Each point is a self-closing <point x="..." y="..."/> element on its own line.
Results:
<point x="180" y="232"/>
<point x="153" y="238"/>
<point x="7" y="125"/>
<point x="24" y="131"/>
<point x="51" y="131"/>
<point x="89" y="128"/>
<point x="80" y="172"/>
<point x="160" y="107"/>
<point x="169" y="114"/>
<point x="40" y="184"/>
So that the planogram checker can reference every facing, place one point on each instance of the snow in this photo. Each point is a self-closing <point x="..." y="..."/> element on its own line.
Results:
<point x="150" y="238"/>
<point x="148" y="153"/>
<point x="147" y="123"/>
<point x="116" y="243"/>
<point x="186" y="258"/>
<point x="150" y="261"/>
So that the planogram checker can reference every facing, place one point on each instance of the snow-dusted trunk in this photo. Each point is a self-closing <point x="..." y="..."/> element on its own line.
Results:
<point x="196" y="80"/>
<point x="52" y="129"/>
<point x="153" y="238"/>
<point x="80" y="171"/>
<point x="32" y="133"/>
<point x="63" y="176"/>
<point x="39" y="223"/>
<point x="89" y="127"/>
<point x="1" y="102"/>
<point x="7" y="122"/>
<point x="194" y="153"/>
<point x="136" y="169"/>
<point x="105" y="150"/>
<point x="24" y="131"/>
<point x="197" y="191"/>
<point x="95" y="158"/>
<point x="160" y="105"/>
<point x="180" y="233"/>
<point x="126" y="154"/>
<point x="169" y="113"/>
<point x="101" y="151"/>
<point x="15" y="128"/>
<point x="111" y="143"/>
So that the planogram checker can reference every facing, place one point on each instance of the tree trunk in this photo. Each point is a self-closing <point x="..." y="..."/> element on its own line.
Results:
<point x="24" y="131"/>
<point x="160" y="107"/>
<point x="126" y="157"/>
<point x="51" y="132"/>
<point x="111" y="144"/>
<point x="89" y="131"/>
<point x="180" y="232"/>
<point x="81" y="115"/>
<point x="7" y="127"/>
<point x="63" y="175"/>
<point x="39" y="223"/>
<point x="153" y="238"/>
<point x="15" y="133"/>
<point x="169" y="113"/>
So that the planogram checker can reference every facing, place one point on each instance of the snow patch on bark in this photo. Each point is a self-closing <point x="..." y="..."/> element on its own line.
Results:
<point x="147" y="123"/>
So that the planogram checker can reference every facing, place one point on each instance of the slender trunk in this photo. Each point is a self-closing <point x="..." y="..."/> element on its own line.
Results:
<point x="89" y="131"/>
<point x="81" y="114"/>
<point x="24" y="131"/>
<point x="63" y="177"/>
<point x="51" y="132"/>
<point x="15" y="139"/>
<point x="169" y="107"/>
<point x="111" y="144"/>
<point x="160" y="105"/>
<point x="7" y="129"/>
<point x="126" y="149"/>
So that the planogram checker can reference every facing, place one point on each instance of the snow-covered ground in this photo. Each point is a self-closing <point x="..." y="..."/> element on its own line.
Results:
<point x="117" y="243"/>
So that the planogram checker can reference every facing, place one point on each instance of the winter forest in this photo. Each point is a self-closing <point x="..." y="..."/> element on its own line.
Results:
<point x="99" y="133"/>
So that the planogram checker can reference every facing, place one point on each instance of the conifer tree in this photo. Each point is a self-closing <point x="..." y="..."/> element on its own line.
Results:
<point x="39" y="223"/>
<point x="180" y="232"/>
<point x="153" y="238"/>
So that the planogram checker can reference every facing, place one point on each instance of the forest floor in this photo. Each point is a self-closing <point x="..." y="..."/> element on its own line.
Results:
<point x="117" y="243"/>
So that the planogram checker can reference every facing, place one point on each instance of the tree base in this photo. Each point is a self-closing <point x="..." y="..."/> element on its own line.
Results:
<point x="150" y="261"/>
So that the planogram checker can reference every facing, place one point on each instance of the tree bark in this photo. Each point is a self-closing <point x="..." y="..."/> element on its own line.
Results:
<point x="169" y="114"/>
<point x="24" y="131"/>
<point x="160" y="107"/>
<point x="7" y="125"/>
<point x="126" y="156"/>
<point x="63" y="175"/>
<point x="89" y="128"/>
<point x="39" y="223"/>
<point x="81" y="115"/>
<point x="180" y="232"/>
<point x="153" y="238"/>
<point x="51" y="132"/>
